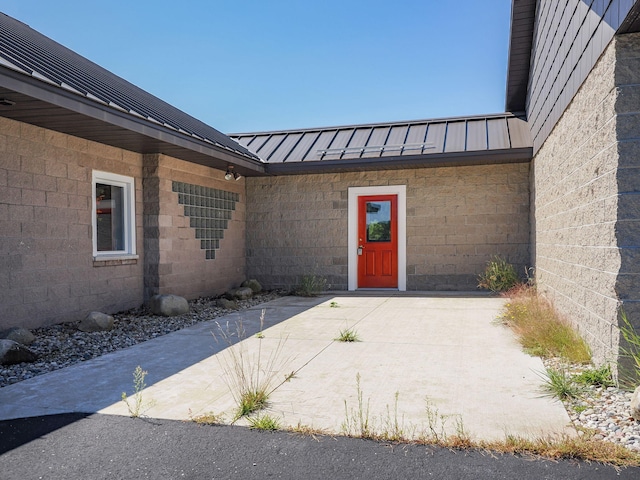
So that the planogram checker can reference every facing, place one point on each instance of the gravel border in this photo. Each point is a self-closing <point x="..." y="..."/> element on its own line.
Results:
<point x="605" y="410"/>
<point x="63" y="345"/>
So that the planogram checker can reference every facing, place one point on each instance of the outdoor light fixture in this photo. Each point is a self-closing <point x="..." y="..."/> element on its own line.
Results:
<point x="4" y="102"/>
<point x="231" y="174"/>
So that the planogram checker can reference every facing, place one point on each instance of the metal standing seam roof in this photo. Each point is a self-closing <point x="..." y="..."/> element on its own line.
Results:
<point x="32" y="54"/>
<point x="490" y="139"/>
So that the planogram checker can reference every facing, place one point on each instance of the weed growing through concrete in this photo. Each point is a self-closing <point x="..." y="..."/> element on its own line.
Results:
<point x="136" y="405"/>
<point x="251" y="378"/>
<point x="334" y="305"/>
<point x="357" y="422"/>
<point x="207" y="418"/>
<point x="348" y="335"/>
<point x="264" y="422"/>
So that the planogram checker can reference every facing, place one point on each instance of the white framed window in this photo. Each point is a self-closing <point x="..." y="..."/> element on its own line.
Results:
<point x="113" y="215"/>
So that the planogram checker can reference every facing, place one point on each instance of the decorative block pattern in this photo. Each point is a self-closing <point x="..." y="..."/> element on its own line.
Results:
<point x="209" y="211"/>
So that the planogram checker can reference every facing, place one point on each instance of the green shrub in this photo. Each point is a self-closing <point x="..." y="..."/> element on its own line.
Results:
<point x="311" y="286"/>
<point x="499" y="276"/>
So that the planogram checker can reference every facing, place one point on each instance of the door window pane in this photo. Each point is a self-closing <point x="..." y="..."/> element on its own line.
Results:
<point x="110" y="218"/>
<point x="379" y="221"/>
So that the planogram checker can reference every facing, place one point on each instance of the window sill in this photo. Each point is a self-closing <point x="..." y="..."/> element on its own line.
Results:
<point x="113" y="260"/>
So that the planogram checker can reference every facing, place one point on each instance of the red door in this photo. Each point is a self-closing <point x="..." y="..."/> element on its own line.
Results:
<point x="378" y="241"/>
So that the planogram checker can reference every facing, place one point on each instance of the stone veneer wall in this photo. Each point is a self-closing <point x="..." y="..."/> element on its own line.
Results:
<point x="457" y="218"/>
<point x="585" y="213"/>
<point x="176" y="261"/>
<point x="47" y="272"/>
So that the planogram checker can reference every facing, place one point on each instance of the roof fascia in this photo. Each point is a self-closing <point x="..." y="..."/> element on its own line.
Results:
<point x="519" y="59"/>
<point x="55" y="95"/>
<point x="453" y="159"/>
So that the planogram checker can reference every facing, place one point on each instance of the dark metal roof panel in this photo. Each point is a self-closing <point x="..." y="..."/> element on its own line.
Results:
<point x="39" y="58"/>
<point x="456" y="137"/>
<point x="476" y="135"/>
<point x="497" y="134"/>
<point x="360" y="137"/>
<point x="375" y="143"/>
<point x="304" y="147"/>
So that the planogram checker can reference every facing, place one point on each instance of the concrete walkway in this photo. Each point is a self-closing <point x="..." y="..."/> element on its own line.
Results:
<point x="439" y="362"/>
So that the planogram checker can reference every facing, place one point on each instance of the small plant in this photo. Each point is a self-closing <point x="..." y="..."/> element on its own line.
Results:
<point x="334" y="305"/>
<point x="393" y="428"/>
<point x="260" y="334"/>
<point x="207" y="418"/>
<point x="630" y="373"/>
<point x="499" y="275"/>
<point x="250" y="401"/>
<point x="137" y="406"/>
<point x="250" y="377"/>
<point x="357" y="423"/>
<point x="311" y="286"/>
<point x="599" y="377"/>
<point x="348" y="335"/>
<point x="264" y="422"/>
<point x="560" y="385"/>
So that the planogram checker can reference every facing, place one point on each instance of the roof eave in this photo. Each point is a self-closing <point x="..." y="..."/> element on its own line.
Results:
<point x="152" y="137"/>
<point x="452" y="159"/>
<point x="519" y="59"/>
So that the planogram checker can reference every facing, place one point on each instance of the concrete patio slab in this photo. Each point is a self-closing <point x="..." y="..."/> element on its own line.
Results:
<point x="419" y="359"/>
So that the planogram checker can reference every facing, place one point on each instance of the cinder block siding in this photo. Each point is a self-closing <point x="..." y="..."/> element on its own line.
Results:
<point x="47" y="273"/>
<point x="628" y="176"/>
<point x="457" y="218"/>
<point x="175" y="261"/>
<point x="580" y="220"/>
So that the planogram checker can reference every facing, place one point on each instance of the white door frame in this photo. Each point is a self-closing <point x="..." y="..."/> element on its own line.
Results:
<point x="352" y="230"/>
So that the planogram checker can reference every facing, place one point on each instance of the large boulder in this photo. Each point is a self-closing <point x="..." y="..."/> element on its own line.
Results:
<point x="253" y="284"/>
<point x="168" y="305"/>
<point x="635" y="404"/>
<point x="13" y="352"/>
<point x="96" y="322"/>
<point x="19" y="335"/>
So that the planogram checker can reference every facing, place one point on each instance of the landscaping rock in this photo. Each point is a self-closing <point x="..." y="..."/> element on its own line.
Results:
<point x="168" y="305"/>
<point x="227" y="304"/>
<point x="635" y="404"/>
<point x="242" y="293"/>
<point x="19" y="335"/>
<point x="13" y="352"/>
<point x="96" y="322"/>
<point x="253" y="284"/>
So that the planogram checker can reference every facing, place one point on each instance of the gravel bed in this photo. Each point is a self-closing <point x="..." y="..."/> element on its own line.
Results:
<point x="604" y="410"/>
<point x="62" y="345"/>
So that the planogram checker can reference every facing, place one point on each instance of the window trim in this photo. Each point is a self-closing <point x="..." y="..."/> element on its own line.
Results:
<point x="129" y="212"/>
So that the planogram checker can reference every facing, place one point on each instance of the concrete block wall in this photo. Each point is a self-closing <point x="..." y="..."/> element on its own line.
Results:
<point x="47" y="272"/>
<point x="627" y="78"/>
<point x="575" y="210"/>
<point x="175" y="261"/>
<point x="457" y="218"/>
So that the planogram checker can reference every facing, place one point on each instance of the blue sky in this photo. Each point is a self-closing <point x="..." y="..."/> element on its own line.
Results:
<point x="250" y="65"/>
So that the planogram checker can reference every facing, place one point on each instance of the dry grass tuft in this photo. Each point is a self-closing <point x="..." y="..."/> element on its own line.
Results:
<point x="568" y="448"/>
<point x="540" y="329"/>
